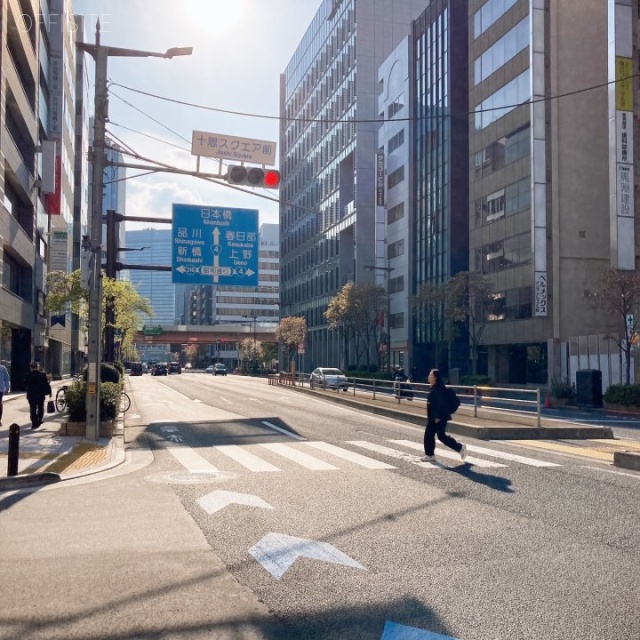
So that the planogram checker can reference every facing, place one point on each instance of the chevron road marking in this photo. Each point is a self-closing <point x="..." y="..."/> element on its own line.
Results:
<point x="217" y="500"/>
<point x="276" y="552"/>
<point x="478" y="462"/>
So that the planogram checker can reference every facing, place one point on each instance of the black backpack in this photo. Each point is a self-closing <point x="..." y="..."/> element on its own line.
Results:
<point x="454" y="401"/>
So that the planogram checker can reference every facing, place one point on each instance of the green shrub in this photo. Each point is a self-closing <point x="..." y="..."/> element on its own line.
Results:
<point x="110" y="396"/>
<point x="625" y="394"/>
<point x="119" y="366"/>
<point x="108" y="373"/>
<point x="562" y="389"/>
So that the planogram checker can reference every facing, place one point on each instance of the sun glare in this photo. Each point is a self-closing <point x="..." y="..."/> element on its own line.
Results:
<point x="214" y="16"/>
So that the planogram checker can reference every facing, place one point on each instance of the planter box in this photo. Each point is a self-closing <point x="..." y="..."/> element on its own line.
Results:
<point x="79" y="429"/>
<point x="622" y="408"/>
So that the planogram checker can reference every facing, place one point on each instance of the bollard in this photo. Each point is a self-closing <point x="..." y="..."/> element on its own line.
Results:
<point x="14" y="449"/>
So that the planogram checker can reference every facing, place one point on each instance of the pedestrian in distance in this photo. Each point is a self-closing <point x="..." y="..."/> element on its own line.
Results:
<point x="37" y="385"/>
<point x="5" y="384"/>
<point x="438" y="415"/>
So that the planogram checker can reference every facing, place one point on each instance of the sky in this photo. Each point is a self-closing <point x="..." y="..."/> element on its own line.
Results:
<point x="240" y="48"/>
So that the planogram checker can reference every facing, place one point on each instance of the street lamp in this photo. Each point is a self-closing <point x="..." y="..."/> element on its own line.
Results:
<point x="387" y="271"/>
<point x="101" y="54"/>
<point x="255" y="321"/>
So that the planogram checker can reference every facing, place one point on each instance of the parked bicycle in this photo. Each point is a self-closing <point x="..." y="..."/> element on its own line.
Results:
<point x="61" y="398"/>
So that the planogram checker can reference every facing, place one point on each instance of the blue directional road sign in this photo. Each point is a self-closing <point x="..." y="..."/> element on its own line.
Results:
<point x="215" y="245"/>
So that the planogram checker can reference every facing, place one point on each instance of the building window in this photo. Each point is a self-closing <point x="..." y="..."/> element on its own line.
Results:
<point x="396" y="177"/>
<point x="396" y="285"/>
<point x="504" y="254"/>
<point x="503" y="101"/>
<point x="395" y="106"/>
<point x="396" y="321"/>
<point x="496" y="56"/>
<point x="512" y="304"/>
<point x="396" y="141"/>
<point x="395" y="249"/>
<point x="495" y="205"/>
<point x="395" y="213"/>
<point x="489" y="13"/>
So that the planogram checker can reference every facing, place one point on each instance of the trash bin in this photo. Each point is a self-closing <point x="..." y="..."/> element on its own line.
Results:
<point x="589" y="388"/>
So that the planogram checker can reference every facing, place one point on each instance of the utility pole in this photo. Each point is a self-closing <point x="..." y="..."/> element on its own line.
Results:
<point x="255" y="321"/>
<point x="100" y="55"/>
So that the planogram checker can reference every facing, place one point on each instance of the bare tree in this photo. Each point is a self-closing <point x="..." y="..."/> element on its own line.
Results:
<point x="468" y="297"/>
<point x="291" y="331"/>
<point x="619" y="296"/>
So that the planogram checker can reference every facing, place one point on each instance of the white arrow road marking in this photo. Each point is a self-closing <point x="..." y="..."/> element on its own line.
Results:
<point x="394" y="453"/>
<point x="193" y="462"/>
<point x="276" y="552"/>
<point x="351" y="456"/>
<point x="511" y="456"/>
<point x="217" y="500"/>
<point x="452" y="455"/>
<point x="393" y="631"/>
<point x="287" y="451"/>
<point x="246" y="458"/>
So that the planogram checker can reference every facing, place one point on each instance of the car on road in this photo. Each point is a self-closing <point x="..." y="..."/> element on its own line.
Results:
<point x="219" y="369"/>
<point x="174" y="367"/>
<point x="328" y="378"/>
<point x="209" y="369"/>
<point x="136" y="369"/>
<point x="159" y="369"/>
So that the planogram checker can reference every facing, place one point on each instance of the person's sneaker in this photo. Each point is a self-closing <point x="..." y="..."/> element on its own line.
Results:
<point x="463" y="452"/>
<point x="428" y="458"/>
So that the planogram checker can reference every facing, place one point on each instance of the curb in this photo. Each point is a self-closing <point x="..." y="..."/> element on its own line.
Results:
<point x="627" y="460"/>
<point x="13" y="483"/>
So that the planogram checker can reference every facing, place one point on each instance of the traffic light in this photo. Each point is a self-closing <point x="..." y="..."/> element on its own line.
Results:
<point x="253" y="177"/>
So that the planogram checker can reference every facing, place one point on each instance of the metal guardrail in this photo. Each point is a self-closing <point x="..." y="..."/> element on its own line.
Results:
<point x="474" y="396"/>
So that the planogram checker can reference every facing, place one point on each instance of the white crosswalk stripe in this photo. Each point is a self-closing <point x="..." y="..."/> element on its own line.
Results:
<point x="339" y="452"/>
<point x="246" y="458"/>
<point x="299" y="457"/>
<point x="446" y="453"/>
<point x="393" y="453"/>
<point x="252" y="456"/>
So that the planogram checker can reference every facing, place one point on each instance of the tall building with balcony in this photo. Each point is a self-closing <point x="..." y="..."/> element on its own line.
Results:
<point x="328" y="142"/>
<point x="23" y="223"/>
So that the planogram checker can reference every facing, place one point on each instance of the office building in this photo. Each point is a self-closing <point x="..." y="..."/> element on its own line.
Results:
<point x="23" y="219"/>
<point x="328" y="142"/>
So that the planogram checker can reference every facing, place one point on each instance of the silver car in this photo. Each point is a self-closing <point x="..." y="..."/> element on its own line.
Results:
<point x="328" y="378"/>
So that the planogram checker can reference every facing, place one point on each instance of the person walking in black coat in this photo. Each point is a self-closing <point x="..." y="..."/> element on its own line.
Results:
<point x="438" y="415"/>
<point x="37" y="385"/>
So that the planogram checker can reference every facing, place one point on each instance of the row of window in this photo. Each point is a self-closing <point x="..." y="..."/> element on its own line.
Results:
<point x="512" y="43"/>
<point x="512" y="304"/>
<point x="506" y="99"/>
<point x="502" y="152"/>
<point x="489" y="13"/>
<point x="504" y="254"/>
<point x="396" y="141"/>
<point x="504" y="202"/>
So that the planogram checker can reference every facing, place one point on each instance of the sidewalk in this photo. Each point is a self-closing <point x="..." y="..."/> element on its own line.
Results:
<point x="45" y="456"/>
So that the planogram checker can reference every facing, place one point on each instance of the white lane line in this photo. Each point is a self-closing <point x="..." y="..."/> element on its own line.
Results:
<point x="351" y="456"/>
<point x="193" y="462"/>
<point x="245" y="458"/>
<point x="452" y="455"/>
<point x="617" y="473"/>
<point x="299" y="457"/>
<point x="295" y="436"/>
<point x="393" y="453"/>
<point x="512" y="457"/>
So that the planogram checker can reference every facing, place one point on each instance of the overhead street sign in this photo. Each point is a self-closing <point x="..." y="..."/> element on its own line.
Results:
<point x="218" y="145"/>
<point x="215" y="245"/>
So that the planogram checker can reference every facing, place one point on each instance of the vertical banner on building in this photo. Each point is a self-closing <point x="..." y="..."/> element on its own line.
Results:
<point x="59" y="251"/>
<point x="621" y="133"/>
<point x="54" y="199"/>
<point x="380" y="179"/>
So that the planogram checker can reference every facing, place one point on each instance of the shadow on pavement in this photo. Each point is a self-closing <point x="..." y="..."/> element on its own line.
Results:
<point x="493" y="482"/>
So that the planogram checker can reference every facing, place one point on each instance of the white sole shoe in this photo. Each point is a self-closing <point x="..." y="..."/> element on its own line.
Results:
<point x="428" y="458"/>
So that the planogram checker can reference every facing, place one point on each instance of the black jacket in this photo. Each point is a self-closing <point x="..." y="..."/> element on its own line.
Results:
<point x="37" y="385"/>
<point x="438" y="403"/>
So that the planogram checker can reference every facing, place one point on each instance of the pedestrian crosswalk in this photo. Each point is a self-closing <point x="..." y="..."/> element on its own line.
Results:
<point x="321" y="456"/>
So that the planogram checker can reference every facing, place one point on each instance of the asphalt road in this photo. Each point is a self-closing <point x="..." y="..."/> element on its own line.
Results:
<point x="468" y="551"/>
<point x="253" y="512"/>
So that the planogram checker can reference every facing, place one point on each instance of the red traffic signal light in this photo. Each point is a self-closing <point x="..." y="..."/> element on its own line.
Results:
<point x="253" y="177"/>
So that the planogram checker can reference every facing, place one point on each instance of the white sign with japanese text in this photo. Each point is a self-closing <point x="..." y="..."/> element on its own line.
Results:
<point x="217" y="145"/>
<point x="541" y="294"/>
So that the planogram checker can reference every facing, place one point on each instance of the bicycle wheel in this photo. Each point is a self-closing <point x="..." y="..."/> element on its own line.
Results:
<point x="61" y="400"/>
<point x="126" y="402"/>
